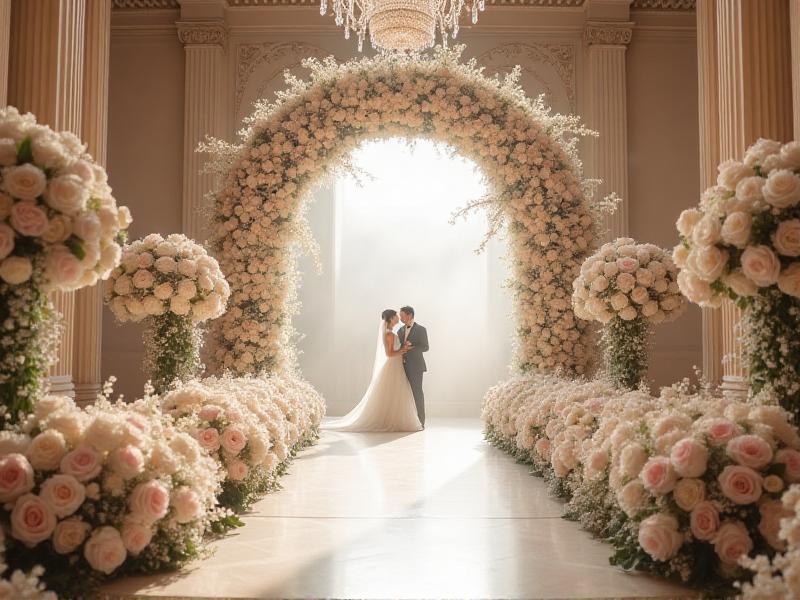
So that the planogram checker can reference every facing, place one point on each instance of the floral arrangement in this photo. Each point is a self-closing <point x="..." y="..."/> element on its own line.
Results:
<point x="628" y="287"/>
<point x="742" y="243"/>
<point x="779" y="577"/>
<point x="527" y="154"/>
<point x="175" y="285"/>
<point x="19" y="585"/>
<point x="60" y="229"/>
<point x="112" y="489"/>
<point x="274" y="416"/>
<point x="683" y="484"/>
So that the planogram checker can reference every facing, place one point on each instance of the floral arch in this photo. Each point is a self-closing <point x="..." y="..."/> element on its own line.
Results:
<point x="527" y="154"/>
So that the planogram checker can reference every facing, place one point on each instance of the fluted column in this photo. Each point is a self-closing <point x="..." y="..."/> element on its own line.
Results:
<point x="5" y="39"/>
<point x="754" y="87"/>
<point x="45" y="75"/>
<point x="795" y="30"/>
<point x="204" y="43"/>
<point x="606" y="112"/>
<point x="88" y="337"/>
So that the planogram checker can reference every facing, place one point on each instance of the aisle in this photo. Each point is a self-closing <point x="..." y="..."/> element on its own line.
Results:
<point x="438" y="514"/>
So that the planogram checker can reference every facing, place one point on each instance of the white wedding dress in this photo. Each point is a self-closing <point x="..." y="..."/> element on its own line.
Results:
<point x="388" y="404"/>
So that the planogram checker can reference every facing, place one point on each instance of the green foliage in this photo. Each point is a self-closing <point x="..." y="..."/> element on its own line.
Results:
<point x="625" y="351"/>
<point x="172" y="350"/>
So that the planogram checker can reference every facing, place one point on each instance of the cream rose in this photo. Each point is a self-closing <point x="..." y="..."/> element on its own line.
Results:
<point x="731" y="542"/>
<point x="658" y="475"/>
<point x="630" y="497"/>
<point x="63" y="268"/>
<point x="180" y="306"/>
<point x="687" y="221"/>
<point x="740" y="484"/>
<point x="707" y="231"/>
<point x="739" y="284"/>
<point x="26" y="182"/>
<point x="67" y="194"/>
<point x="659" y="536"/>
<point x="782" y="189"/>
<point x="166" y="264"/>
<point x="105" y="551"/>
<point x="187" y="289"/>
<point x="689" y="457"/>
<point x="736" y="229"/>
<point x="149" y="501"/>
<point x="15" y="270"/>
<point x="83" y="463"/>
<point x="16" y="477"/>
<point x="237" y="470"/>
<point x="187" y="505"/>
<point x="789" y="280"/>
<point x="760" y="265"/>
<point x="63" y="494"/>
<point x="787" y="238"/>
<point x="59" y="228"/>
<point x="163" y="291"/>
<point x="143" y="279"/>
<point x="749" y="450"/>
<point x="694" y="288"/>
<point x="790" y="458"/>
<point x="731" y="172"/>
<point x="127" y="462"/>
<point x="709" y="262"/>
<point x="28" y="219"/>
<point x="136" y="536"/>
<point x="32" y="521"/>
<point x="632" y="459"/>
<point x="69" y="535"/>
<point x="704" y="520"/>
<point x="46" y="450"/>
<point x="688" y="493"/>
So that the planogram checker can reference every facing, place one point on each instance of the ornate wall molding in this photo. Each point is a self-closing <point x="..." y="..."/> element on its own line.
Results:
<point x="543" y="3"/>
<point x="608" y="34"/>
<point x="561" y="57"/>
<point x="675" y="5"/>
<point x="145" y="4"/>
<point x="202" y="33"/>
<point x="249" y="57"/>
<point x="685" y="5"/>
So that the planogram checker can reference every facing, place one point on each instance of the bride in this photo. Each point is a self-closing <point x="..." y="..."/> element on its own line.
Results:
<point x="388" y="404"/>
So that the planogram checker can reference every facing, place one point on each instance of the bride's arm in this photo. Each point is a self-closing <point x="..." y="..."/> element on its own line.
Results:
<point x="388" y="346"/>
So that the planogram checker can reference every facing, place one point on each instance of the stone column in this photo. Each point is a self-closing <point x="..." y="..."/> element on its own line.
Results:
<point x="709" y="159"/>
<point x="204" y="42"/>
<point x="88" y="336"/>
<point x="45" y="78"/>
<point x="755" y="100"/>
<point x="606" y="112"/>
<point x="795" y="29"/>
<point x="5" y="39"/>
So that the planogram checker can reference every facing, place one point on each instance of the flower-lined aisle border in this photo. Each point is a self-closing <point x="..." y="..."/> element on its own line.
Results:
<point x="527" y="155"/>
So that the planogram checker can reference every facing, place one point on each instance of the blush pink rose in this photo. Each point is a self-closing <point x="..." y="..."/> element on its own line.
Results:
<point x="628" y="264"/>
<point x="105" y="551"/>
<point x="704" y="520"/>
<point x="741" y="484"/>
<point x="62" y="267"/>
<point x="658" y="475"/>
<point x="209" y="413"/>
<point x="28" y="219"/>
<point x="32" y="521"/>
<point x="689" y="457"/>
<point x="149" y="502"/>
<point x="732" y="542"/>
<point x="16" y="477"/>
<point x="720" y="431"/>
<point x="209" y="438"/>
<point x="63" y="494"/>
<point x="750" y="450"/>
<point x="135" y="536"/>
<point x="83" y="463"/>
<point x="790" y="458"/>
<point x="233" y="440"/>
<point x="127" y="461"/>
<point x="187" y="505"/>
<point x="659" y="536"/>
<point x="237" y="470"/>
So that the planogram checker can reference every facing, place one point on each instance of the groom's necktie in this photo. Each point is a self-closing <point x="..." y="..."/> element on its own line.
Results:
<point x="408" y="332"/>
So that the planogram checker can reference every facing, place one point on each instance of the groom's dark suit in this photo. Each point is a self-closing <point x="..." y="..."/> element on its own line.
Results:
<point x="414" y="364"/>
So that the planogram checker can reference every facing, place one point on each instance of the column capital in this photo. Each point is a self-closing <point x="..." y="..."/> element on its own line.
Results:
<point x="607" y="33"/>
<point x="203" y="33"/>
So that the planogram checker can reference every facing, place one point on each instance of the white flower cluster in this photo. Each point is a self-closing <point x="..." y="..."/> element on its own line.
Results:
<point x="173" y="274"/>
<point x="677" y="470"/>
<point x="56" y="209"/>
<point x="745" y="235"/>
<point x="628" y="280"/>
<point x="249" y="425"/>
<point x="779" y="577"/>
<point x="523" y="150"/>
<point x="105" y="485"/>
<point x="18" y="585"/>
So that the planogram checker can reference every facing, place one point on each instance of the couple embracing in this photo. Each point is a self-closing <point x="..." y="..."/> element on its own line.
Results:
<point x="394" y="400"/>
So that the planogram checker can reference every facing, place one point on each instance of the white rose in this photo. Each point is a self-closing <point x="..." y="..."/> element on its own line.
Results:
<point x="69" y="535"/>
<point x="48" y="152"/>
<point x="15" y="270"/>
<point x="787" y="238"/>
<point x="760" y="265"/>
<point x="187" y="268"/>
<point x="124" y="218"/>
<point x="731" y="172"/>
<point x="632" y="459"/>
<point x="87" y="226"/>
<point x="709" y="262"/>
<point x="659" y="536"/>
<point x="707" y="231"/>
<point x="187" y="289"/>
<point x="123" y="285"/>
<point x="135" y="307"/>
<point x="166" y="249"/>
<point x="187" y="505"/>
<point x="750" y="192"/>
<point x="67" y="194"/>
<point x="63" y="494"/>
<point x="180" y="306"/>
<point x="789" y="280"/>
<point x="760" y="151"/>
<point x="630" y="497"/>
<point x="687" y="220"/>
<point x="143" y="279"/>
<point x="166" y="264"/>
<point x="625" y="282"/>
<point x="790" y="155"/>
<point x="46" y="450"/>
<point x="105" y="551"/>
<point x="679" y="255"/>
<point x="740" y="284"/>
<point x="109" y="258"/>
<point x="736" y="229"/>
<point x="26" y="182"/>
<point x="163" y="291"/>
<point x="59" y="228"/>
<point x="63" y="268"/>
<point x="153" y="306"/>
<point x="782" y="189"/>
<point x="618" y="301"/>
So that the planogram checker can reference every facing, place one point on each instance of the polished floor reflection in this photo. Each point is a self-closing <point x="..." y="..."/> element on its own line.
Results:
<point x="436" y="514"/>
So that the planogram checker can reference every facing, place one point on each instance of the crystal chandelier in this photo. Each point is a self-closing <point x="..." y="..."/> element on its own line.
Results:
<point x="408" y="25"/>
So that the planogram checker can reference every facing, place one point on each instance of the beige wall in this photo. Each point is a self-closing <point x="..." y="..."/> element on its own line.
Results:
<point x="146" y="117"/>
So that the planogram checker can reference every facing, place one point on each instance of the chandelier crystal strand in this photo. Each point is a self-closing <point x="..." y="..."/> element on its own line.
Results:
<point x="402" y="25"/>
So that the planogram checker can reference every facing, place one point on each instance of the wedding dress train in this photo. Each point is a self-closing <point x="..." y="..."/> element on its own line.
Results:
<point x="388" y="404"/>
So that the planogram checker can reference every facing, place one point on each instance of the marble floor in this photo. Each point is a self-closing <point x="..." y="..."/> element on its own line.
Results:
<point x="436" y="514"/>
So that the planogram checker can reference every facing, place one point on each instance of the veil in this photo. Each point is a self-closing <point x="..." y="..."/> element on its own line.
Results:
<point x="380" y="352"/>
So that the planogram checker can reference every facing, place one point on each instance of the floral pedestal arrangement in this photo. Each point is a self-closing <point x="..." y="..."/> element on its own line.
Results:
<point x="173" y="285"/>
<point x="60" y="230"/>
<point x="742" y="243"/>
<point x="628" y="287"/>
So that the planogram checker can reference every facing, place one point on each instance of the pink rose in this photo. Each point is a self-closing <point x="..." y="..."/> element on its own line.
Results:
<point x="105" y="551"/>
<point x="772" y="512"/>
<point x="187" y="505"/>
<point x="720" y="431"/>
<point x="760" y="265"/>
<point x="28" y="219"/>
<point x="658" y="475"/>
<point x="83" y="463"/>
<point x="16" y="477"/>
<point x="689" y="457"/>
<point x="127" y="461"/>
<point x="741" y="484"/>
<point x="790" y="458"/>
<point x="233" y="440"/>
<point x="750" y="450"/>
<point x="732" y="542"/>
<point x="149" y="501"/>
<point x="69" y="535"/>
<point x="62" y="267"/>
<point x="7" y="236"/>
<point x="209" y="439"/>
<point x="31" y="520"/>
<point x="628" y="264"/>
<point x="237" y="470"/>
<point x="63" y="494"/>
<point x="659" y="536"/>
<point x="209" y="413"/>
<point x="704" y="520"/>
<point x="135" y="536"/>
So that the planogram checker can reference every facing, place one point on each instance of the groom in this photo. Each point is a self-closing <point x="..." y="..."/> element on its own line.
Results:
<point x="414" y="337"/>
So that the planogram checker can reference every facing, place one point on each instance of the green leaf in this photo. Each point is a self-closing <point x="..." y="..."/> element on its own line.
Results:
<point x="75" y="246"/>
<point x="25" y="151"/>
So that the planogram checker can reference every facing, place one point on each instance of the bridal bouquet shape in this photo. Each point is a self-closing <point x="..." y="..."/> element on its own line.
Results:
<point x="628" y="287"/>
<point x="60" y="230"/>
<point x="174" y="285"/>
<point x="115" y="488"/>
<point x="742" y="243"/>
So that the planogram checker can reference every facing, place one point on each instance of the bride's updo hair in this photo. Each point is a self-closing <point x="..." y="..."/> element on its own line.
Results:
<point x="388" y="315"/>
